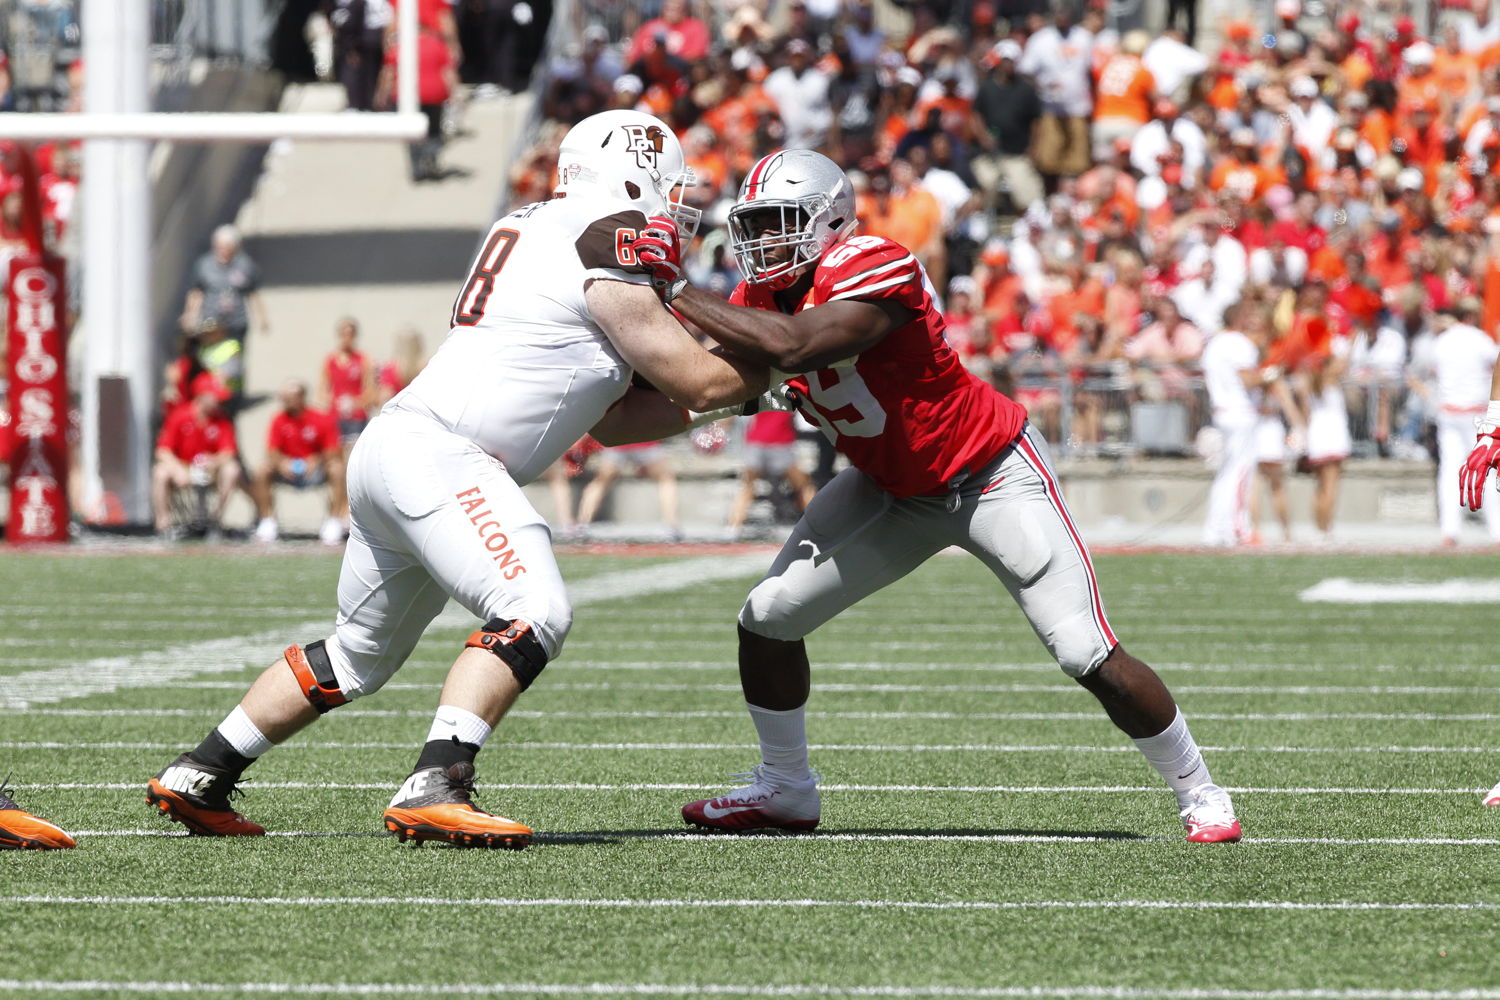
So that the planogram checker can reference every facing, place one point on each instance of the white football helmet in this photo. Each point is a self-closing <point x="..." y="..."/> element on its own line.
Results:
<point x="629" y="156"/>
<point x="816" y="205"/>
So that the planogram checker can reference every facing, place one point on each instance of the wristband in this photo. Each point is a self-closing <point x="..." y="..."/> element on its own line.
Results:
<point x="1491" y="419"/>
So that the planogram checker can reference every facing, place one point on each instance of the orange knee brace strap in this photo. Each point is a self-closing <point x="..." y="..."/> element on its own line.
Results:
<point x="516" y="644"/>
<point x="315" y="678"/>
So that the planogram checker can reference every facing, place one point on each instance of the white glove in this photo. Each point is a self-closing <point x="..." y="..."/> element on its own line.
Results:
<point x="522" y="13"/>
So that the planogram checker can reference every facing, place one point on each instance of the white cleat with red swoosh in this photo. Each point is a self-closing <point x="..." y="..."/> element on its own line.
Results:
<point x="1493" y="798"/>
<point x="760" y="803"/>
<point x="1209" y="816"/>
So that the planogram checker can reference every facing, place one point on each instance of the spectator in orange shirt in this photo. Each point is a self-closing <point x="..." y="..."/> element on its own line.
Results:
<point x="1456" y="71"/>
<point x="953" y="108"/>
<point x="1241" y="172"/>
<point x="302" y="450"/>
<point x="1425" y="141"/>
<point x="998" y="284"/>
<point x="1419" y="85"/>
<point x="1123" y="94"/>
<point x="904" y="211"/>
<point x="196" y="447"/>
<point x="1373" y="125"/>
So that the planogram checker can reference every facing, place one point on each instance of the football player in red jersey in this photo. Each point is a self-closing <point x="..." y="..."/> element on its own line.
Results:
<point x="938" y="458"/>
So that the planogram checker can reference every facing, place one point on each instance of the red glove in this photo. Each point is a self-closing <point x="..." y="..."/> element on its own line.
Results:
<point x="659" y="249"/>
<point x="1484" y="457"/>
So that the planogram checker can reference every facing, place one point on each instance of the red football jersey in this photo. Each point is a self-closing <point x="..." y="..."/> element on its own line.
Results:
<point x="309" y="433"/>
<point x="906" y="412"/>
<point x="187" y="437"/>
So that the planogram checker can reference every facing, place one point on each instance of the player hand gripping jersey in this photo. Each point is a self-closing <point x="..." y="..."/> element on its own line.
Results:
<point x="938" y="458"/>
<point x="555" y="317"/>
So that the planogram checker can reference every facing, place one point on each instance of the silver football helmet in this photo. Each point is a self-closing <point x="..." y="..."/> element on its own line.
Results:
<point x="813" y="205"/>
<point x="633" y="157"/>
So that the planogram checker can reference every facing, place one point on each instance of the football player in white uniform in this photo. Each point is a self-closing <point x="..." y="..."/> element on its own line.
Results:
<point x="1484" y="459"/>
<point x="555" y="316"/>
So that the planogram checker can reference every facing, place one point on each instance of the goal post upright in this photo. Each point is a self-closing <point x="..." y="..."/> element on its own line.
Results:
<point x="119" y="350"/>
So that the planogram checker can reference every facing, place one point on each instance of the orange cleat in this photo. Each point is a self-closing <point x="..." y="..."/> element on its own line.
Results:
<point x="197" y="796"/>
<point x="21" y="831"/>
<point x="435" y="804"/>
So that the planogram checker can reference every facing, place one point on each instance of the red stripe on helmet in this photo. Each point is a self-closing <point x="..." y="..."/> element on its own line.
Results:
<point x="755" y="173"/>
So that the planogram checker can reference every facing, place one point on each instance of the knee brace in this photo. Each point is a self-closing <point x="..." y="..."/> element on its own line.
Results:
<point x="516" y="644"/>
<point x="315" y="678"/>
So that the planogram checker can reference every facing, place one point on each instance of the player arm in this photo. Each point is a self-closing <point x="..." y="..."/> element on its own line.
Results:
<point x="653" y="343"/>
<point x="812" y="339"/>
<point x="641" y="414"/>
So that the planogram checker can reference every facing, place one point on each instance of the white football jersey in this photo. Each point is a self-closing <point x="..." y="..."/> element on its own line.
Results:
<point x="1459" y="362"/>
<point x="525" y="371"/>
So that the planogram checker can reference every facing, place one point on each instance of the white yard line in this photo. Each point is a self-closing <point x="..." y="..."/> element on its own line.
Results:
<point x="1342" y="590"/>
<point x="718" y="840"/>
<point x="830" y="747"/>
<point x="708" y="903"/>
<point x="1033" y="992"/>
<point x="680" y="786"/>
<point x="571" y="664"/>
<point x="386" y="713"/>
<point x="103" y="674"/>
<point x="1057" y="688"/>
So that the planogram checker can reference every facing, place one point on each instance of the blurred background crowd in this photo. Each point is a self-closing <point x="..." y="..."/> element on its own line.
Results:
<point x="1094" y="202"/>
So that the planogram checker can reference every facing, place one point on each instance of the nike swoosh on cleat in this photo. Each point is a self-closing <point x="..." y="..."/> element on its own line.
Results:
<point x="711" y="811"/>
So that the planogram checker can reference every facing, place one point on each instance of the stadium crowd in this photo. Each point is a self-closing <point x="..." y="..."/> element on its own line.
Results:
<point x="1091" y="204"/>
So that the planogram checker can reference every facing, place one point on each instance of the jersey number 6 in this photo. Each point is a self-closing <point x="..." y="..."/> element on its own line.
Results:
<point x="469" y="308"/>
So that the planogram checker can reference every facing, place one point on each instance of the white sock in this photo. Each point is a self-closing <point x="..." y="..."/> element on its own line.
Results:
<point x="1175" y="754"/>
<point x="451" y="721"/>
<point x="242" y="734"/>
<point x="783" y="742"/>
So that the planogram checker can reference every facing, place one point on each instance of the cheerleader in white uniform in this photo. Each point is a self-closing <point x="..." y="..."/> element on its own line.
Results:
<point x="1329" y="442"/>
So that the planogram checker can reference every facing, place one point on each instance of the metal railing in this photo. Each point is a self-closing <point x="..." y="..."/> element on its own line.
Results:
<point x="1121" y="410"/>
<point x="186" y="31"/>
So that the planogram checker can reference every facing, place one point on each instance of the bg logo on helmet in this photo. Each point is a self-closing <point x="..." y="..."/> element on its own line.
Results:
<point x="646" y="142"/>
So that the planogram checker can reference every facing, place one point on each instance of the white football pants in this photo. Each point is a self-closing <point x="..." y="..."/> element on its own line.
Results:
<point x="432" y="517"/>
<point x="1455" y="439"/>
<point x="1228" y="521"/>
<point x="855" y="538"/>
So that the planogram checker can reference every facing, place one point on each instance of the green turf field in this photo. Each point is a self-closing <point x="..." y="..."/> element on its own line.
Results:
<point x="986" y="831"/>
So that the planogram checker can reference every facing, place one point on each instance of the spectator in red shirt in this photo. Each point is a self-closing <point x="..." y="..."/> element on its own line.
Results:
<point x="348" y="386"/>
<point x="770" y="454"/>
<point x="302" y="450"/>
<point x="437" y="78"/>
<point x="682" y="36"/>
<point x="196" y="448"/>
